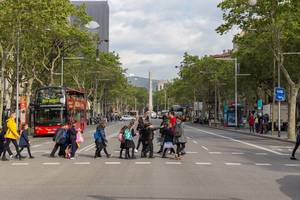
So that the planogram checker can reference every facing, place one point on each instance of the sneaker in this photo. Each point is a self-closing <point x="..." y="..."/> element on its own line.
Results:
<point x="293" y="158"/>
<point x="11" y="156"/>
<point x="31" y="157"/>
<point x="136" y="151"/>
<point x="108" y="155"/>
<point x="52" y="156"/>
<point x="72" y="158"/>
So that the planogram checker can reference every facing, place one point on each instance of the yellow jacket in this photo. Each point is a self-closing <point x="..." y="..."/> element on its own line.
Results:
<point x="12" y="132"/>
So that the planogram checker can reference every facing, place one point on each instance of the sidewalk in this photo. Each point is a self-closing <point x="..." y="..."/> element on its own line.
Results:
<point x="246" y="131"/>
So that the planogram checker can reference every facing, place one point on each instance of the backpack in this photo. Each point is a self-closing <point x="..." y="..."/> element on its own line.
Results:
<point x="97" y="135"/>
<point x="121" y="138"/>
<point x="61" y="136"/>
<point x="178" y="129"/>
<point x="79" y="137"/>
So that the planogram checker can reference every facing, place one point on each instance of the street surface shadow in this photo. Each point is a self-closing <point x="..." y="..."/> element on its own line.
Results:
<point x="290" y="185"/>
<point x="99" y="197"/>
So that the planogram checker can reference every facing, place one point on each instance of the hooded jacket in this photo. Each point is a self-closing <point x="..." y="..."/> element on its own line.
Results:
<point x="11" y="132"/>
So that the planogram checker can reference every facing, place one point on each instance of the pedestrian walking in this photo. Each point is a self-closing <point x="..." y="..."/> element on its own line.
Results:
<point x="122" y="140"/>
<point x="140" y="128"/>
<point x="168" y="140"/>
<point x="148" y="140"/>
<point x="179" y="138"/>
<point x="60" y="141"/>
<point x="24" y="141"/>
<point x="129" y="143"/>
<point x="251" y="122"/>
<point x="100" y="140"/>
<point x="296" y="145"/>
<point x="164" y="123"/>
<point x="11" y="135"/>
<point x="72" y="133"/>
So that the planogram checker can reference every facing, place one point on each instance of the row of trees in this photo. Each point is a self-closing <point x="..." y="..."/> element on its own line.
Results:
<point x="269" y="41"/>
<point x="36" y="35"/>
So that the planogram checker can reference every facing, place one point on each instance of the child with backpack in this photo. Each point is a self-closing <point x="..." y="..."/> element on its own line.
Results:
<point x="129" y="143"/>
<point x="60" y="140"/>
<point x="100" y="140"/>
<point x="24" y="141"/>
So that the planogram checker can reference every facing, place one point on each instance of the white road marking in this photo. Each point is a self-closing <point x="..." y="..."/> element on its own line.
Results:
<point x="205" y="148"/>
<point x="191" y="152"/>
<point x="285" y="154"/>
<point x="233" y="164"/>
<point x="239" y="141"/>
<point x="81" y="163"/>
<point x="292" y="165"/>
<point x="112" y="163"/>
<point x="203" y="163"/>
<point x="90" y="148"/>
<point x="54" y="163"/>
<point x="237" y="153"/>
<point x="173" y="163"/>
<point x="261" y="154"/>
<point x="20" y="164"/>
<point x="86" y="147"/>
<point x="37" y="145"/>
<point x="188" y="137"/>
<point x="195" y="142"/>
<point x="117" y="151"/>
<point x="262" y="164"/>
<point x="214" y="152"/>
<point x="143" y="163"/>
<point x="279" y="149"/>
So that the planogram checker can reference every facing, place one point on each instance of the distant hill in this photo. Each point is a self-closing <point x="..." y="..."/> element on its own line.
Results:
<point x="142" y="82"/>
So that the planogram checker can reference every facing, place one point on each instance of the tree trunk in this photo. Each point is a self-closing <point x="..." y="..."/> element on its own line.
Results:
<point x="292" y="114"/>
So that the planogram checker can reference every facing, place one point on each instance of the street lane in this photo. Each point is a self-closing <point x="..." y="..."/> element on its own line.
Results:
<point x="237" y="171"/>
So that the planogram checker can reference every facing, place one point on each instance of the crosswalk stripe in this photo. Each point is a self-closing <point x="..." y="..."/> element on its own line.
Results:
<point x="191" y="152"/>
<point x="142" y="163"/>
<point x="292" y="165"/>
<point x="54" y="163"/>
<point x="233" y="164"/>
<point x="203" y="163"/>
<point x="261" y="154"/>
<point x="20" y="164"/>
<point x="237" y="153"/>
<point x="173" y="163"/>
<point x="215" y="152"/>
<point x="262" y="164"/>
<point x="195" y="142"/>
<point x="82" y="163"/>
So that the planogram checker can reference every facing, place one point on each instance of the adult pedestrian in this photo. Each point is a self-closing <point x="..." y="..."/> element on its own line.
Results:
<point x="60" y="140"/>
<point x="297" y="144"/>
<point x="251" y="122"/>
<point x="179" y="139"/>
<point x="148" y="140"/>
<point x="24" y="140"/>
<point x="139" y="129"/>
<point x="11" y="135"/>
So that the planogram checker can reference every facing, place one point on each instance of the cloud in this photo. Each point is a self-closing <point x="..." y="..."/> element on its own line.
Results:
<point x="154" y="34"/>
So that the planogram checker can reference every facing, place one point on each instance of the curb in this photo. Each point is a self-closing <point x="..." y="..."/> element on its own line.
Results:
<point x="244" y="133"/>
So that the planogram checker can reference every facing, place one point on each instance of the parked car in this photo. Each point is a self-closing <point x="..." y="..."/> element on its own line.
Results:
<point x="127" y="118"/>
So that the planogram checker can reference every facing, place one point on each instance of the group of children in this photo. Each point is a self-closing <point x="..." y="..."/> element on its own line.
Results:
<point x="23" y="143"/>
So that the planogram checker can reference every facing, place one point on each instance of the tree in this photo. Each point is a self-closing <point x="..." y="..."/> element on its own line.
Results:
<point x="280" y="20"/>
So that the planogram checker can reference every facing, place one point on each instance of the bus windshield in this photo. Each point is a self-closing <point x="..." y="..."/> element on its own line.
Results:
<point x="50" y="96"/>
<point x="50" y="116"/>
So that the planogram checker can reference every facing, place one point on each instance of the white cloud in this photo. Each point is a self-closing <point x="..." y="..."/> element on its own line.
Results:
<point x="154" y="34"/>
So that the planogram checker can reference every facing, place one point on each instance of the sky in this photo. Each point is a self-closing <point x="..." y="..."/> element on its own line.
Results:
<point x="152" y="35"/>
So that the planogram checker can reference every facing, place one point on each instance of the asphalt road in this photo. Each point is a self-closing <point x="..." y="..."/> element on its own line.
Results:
<point x="219" y="165"/>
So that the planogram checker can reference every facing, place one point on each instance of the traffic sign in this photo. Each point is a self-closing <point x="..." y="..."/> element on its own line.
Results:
<point x="279" y="94"/>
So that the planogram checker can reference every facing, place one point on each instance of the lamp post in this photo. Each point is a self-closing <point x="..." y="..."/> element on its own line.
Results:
<point x="236" y="75"/>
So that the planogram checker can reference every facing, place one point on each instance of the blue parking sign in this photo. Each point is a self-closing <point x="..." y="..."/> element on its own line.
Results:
<point x="279" y="94"/>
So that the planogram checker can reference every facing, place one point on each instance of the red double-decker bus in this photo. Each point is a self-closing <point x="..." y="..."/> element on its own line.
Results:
<point x="56" y="106"/>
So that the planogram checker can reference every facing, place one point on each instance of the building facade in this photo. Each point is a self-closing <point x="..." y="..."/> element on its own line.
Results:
<point x="99" y="10"/>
